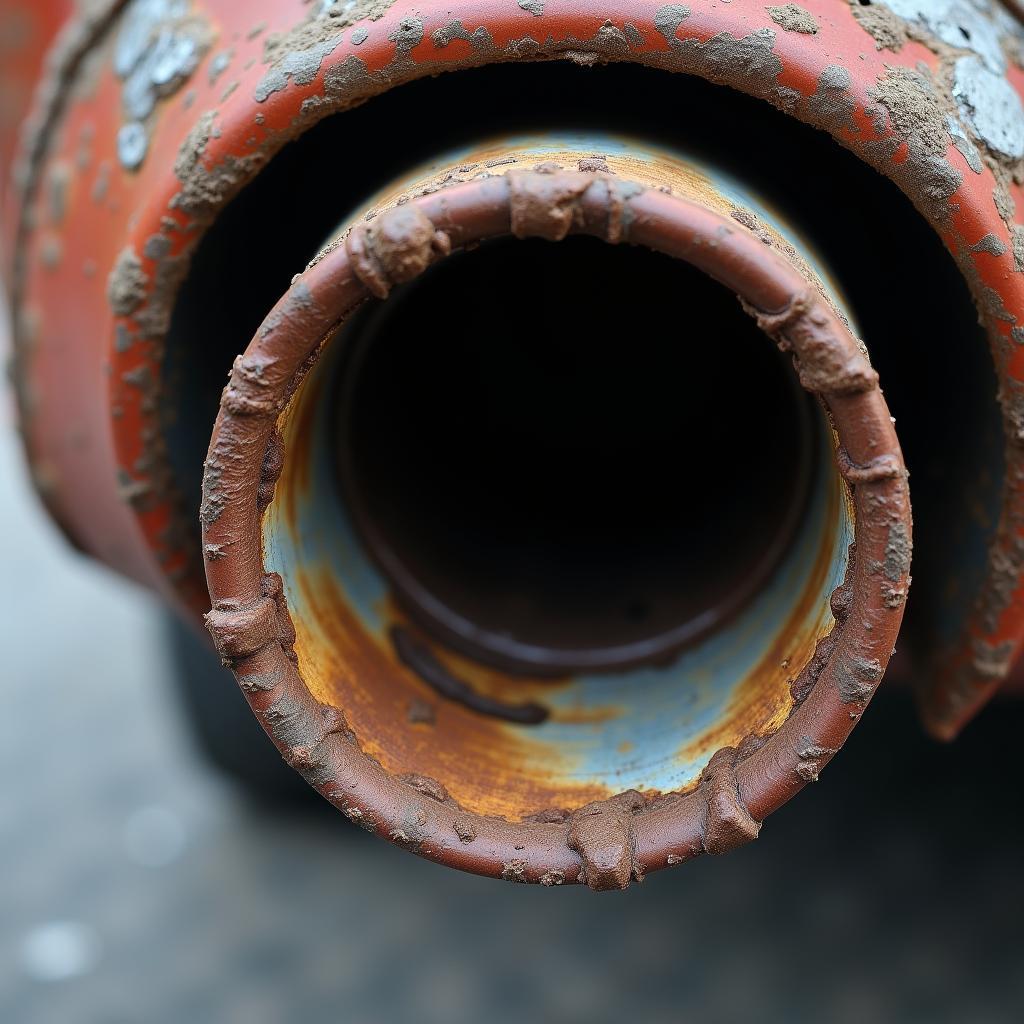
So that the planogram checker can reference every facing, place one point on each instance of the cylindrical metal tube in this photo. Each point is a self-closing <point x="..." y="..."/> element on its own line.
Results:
<point x="536" y="557"/>
<point x="527" y="752"/>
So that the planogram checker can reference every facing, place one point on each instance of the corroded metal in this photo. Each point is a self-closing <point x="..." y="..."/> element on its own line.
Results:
<point x="601" y="838"/>
<point x="152" y="115"/>
<point x="882" y="79"/>
<point x="654" y="723"/>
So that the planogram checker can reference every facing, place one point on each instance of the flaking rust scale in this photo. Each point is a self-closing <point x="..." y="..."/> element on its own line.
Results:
<point x="537" y="484"/>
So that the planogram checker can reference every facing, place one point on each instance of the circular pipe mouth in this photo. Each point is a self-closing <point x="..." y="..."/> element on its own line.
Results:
<point x="607" y="841"/>
<point x="563" y="485"/>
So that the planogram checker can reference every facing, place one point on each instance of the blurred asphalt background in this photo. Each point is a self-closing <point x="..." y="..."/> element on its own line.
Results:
<point x="138" y="886"/>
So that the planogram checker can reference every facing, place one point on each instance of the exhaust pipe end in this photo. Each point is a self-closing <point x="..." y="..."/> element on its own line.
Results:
<point x="608" y="841"/>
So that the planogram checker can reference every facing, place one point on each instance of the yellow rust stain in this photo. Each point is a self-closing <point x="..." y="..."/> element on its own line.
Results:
<point x="651" y="166"/>
<point x="506" y="687"/>
<point x="488" y="766"/>
<point x="647" y="165"/>
<point x="295" y="425"/>
<point x="764" y="701"/>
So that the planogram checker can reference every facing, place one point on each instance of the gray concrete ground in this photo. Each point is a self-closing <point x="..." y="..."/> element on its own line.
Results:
<point x="136" y="885"/>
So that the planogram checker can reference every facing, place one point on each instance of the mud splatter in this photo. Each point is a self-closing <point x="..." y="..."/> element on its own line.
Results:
<point x="793" y="18"/>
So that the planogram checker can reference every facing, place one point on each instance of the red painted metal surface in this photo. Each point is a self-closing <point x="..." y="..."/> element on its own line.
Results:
<point x="100" y="242"/>
<point x="27" y="32"/>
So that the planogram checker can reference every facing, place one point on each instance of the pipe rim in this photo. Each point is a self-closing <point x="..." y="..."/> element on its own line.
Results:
<point x="603" y="844"/>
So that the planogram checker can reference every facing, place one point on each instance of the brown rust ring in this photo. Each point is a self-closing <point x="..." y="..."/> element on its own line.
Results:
<point x="602" y="844"/>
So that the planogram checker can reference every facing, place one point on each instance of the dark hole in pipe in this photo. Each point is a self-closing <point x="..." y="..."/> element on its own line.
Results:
<point x="570" y="456"/>
<point x="914" y="312"/>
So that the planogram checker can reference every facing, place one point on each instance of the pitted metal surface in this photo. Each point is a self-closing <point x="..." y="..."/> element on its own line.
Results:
<point x="929" y="107"/>
<point x="184" y="894"/>
<point x="611" y="844"/>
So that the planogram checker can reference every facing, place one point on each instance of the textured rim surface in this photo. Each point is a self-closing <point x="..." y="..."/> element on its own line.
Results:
<point x="606" y="843"/>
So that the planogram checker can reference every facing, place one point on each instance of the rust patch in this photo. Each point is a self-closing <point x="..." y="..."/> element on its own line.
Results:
<point x="344" y="664"/>
<point x="416" y="654"/>
<point x="360" y="673"/>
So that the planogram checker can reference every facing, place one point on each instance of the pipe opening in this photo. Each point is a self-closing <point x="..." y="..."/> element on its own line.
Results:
<point x="284" y="213"/>
<point x="701" y="743"/>
<point x="570" y="458"/>
<point x="442" y="415"/>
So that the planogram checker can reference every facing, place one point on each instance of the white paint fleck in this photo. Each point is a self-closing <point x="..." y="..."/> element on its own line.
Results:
<point x="990" y="105"/>
<point x="966" y="24"/>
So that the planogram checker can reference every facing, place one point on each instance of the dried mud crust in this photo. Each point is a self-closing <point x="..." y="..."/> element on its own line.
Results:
<point x="793" y="18"/>
<point x="608" y="843"/>
<point x="917" y="111"/>
<point x="908" y="105"/>
<point x="65" y="63"/>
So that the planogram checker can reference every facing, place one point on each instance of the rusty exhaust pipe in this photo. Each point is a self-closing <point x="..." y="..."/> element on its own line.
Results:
<point x="553" y="522"/>
<point x="408" y="577"/>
